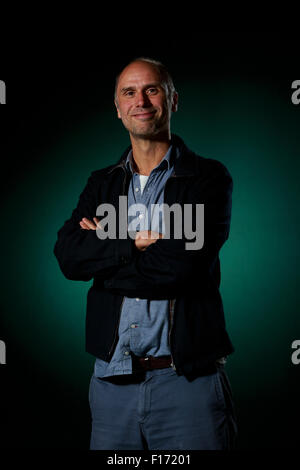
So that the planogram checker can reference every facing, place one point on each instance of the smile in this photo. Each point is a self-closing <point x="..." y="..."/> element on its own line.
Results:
<point x="144" y="115"/>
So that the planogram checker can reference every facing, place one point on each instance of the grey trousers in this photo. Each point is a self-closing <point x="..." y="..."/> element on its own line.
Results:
<point x="159" y="410"/>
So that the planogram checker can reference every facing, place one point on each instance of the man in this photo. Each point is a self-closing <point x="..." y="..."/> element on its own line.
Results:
<point x="155" y="319"/>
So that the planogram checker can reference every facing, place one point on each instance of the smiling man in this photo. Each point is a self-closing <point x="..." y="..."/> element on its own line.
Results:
<point x="155" y="319"/>
<point x="145" y="103"/>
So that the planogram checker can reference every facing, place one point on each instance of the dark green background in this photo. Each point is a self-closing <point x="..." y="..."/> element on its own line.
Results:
<point x="59" y="124"/>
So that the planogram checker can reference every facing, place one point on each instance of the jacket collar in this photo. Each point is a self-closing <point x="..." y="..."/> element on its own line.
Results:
<point x="184" y="163"/>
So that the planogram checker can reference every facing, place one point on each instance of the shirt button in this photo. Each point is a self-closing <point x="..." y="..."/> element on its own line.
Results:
<point x="141" y="216"/>
<point x="136" y="189"/>
<point x="133" y="325"/>
<point x="137" y="299"/>
<point x="126" y="353"/>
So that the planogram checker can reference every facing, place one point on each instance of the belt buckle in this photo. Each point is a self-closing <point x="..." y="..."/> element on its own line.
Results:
<point x="147" y="362"/>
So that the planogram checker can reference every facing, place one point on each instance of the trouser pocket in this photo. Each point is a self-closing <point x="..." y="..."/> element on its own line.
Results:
<point x="225" y="398"/>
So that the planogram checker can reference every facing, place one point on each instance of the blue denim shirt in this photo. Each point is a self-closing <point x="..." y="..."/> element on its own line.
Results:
<point x="143" y="327"/>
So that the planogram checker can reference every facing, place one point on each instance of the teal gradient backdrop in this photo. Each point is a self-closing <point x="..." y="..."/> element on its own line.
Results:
<point x="252" y="127"/>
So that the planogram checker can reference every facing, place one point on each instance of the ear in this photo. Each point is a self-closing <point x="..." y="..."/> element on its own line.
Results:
<point x="175" y="102"/>
<point x="117" y="107"/>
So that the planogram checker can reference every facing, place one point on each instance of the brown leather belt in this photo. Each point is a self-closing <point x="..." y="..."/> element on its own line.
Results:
<point x="162" y="362"/>
<point x="151" y="362"/>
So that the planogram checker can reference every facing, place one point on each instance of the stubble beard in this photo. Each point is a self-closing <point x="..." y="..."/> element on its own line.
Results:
<point x="151" y="130"/>
<point x="148" y="129"/>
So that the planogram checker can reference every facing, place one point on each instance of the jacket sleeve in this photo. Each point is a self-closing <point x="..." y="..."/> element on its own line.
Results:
<point x="166" y="268"/>
<point x="80" y="253"/>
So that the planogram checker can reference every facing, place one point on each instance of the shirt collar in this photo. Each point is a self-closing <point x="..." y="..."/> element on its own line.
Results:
<point x="160" y="166"/>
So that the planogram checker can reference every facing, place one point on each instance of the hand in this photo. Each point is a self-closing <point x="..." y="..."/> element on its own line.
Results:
<point x="86" y="224"/>
<point x="144" y="238"/>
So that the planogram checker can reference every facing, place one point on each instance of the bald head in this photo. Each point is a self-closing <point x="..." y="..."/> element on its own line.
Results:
<point x="164" y="76"/>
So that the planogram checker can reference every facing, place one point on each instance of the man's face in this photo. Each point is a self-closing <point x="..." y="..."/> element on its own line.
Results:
<point x="142" y="102"/>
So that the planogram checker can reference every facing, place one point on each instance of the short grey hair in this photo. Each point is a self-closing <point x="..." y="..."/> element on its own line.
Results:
<point x="162" y="70"/>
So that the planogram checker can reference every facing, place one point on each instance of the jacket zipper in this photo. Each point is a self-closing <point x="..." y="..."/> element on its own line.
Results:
<point x="116" y="331"/>
<point x="172" y="301"/>
<point x="172" y="307"/>
<point x="117" y="328"/>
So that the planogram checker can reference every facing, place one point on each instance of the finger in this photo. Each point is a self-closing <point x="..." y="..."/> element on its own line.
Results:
<point x="83" y="225"/>
<point x="145" y="234"/>
<point x="97" y="223"/>
<point x="89" y="223"/>
<point x="157" y="235"/>
<point x="141" y="248"/>
<point x="154" y="235"/>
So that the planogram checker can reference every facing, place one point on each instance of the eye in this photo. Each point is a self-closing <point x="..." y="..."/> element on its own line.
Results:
<point x="152" y="91"/>
<point x="129" y="93"/>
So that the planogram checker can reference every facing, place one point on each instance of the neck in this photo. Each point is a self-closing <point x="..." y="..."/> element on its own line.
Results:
<point x="147" y="154"/>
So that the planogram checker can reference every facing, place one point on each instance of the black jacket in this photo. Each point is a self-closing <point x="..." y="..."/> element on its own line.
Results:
<point x="165" y="270"/>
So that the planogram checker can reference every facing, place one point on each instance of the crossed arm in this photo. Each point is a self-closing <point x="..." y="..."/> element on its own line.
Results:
<point x="80" y="253"/>
<point x="150" y="266"/>
<point x="143" y="239"/>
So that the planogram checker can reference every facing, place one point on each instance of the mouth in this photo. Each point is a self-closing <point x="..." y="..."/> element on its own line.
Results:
<point x="143" y="116"/>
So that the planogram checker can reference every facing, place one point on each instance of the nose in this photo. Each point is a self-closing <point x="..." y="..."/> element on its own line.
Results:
<point x="142" y="99"/>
